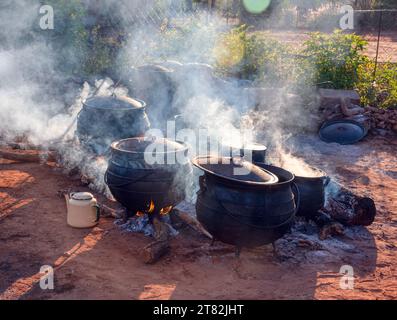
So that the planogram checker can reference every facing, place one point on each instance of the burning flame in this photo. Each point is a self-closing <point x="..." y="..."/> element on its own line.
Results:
<point x="151" y="207"/>
<point x="150" y="210"/>
<point x="164" y="211"/>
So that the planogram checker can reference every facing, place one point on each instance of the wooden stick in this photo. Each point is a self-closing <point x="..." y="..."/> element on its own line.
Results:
<point x="328" y="227"/>
<point x="114" y="213"/>
<point x="155" y="250"/>
<point x="27" y="157"/>
<point x="192" y="222"/>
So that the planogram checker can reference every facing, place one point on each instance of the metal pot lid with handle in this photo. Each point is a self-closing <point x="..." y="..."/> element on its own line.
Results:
<point x="235" y="169"/>
<point x="342" y="131"/>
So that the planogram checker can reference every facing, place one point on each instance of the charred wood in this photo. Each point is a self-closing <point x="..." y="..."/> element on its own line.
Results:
<point x="350" y="209"/>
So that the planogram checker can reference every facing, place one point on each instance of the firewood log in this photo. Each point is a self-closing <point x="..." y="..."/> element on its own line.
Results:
<point x="155" y="250"/>
<point x="191" y="222"/>
<point x="28" y="157"/>
<point x="112" y="213"/>
<point x="348" y="109"/>
<point x="327" y="226"/>
<point x="350" y="209"/>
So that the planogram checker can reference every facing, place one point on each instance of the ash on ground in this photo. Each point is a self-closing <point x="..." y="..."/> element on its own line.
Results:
<point x="142" y="224"/>
<point x="302" y="244"/>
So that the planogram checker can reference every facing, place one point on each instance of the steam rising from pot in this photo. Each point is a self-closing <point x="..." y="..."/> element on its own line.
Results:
<point x="41" y="103"/>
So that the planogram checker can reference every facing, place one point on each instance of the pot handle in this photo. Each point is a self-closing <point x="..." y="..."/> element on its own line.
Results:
<point x="124" y="184"/>
<point x="327" y="180"/>
<point x="292" y="217"/>
<point x="202" y="184"/>
<point x="298" y="196"/>
<point x="98" y="212"/>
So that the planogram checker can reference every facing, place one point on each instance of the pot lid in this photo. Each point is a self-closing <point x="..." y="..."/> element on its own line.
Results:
<point x="342" y="131"/>
<point x="235" y="169"/>
<point x="141" y="145"/>
<point x="82" y="196"/>
<point x="120" y="103"/>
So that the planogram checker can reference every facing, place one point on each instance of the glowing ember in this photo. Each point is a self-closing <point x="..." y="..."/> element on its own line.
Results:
<point x="140" y="213"/>
<point x="165" y="210"/>
<point x="150" y="210"/>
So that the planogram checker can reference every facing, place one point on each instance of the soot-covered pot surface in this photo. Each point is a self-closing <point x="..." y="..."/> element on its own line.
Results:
<point x="245" y="211"/>
<point x="104" y="120"/>
<point x="146" y="175"/>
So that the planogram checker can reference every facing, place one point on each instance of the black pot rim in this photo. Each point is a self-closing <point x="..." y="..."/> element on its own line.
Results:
<point x="141" y="107"/>
<point x="230" y="179"/>
<point x="115" y="145"/>
<point x="322" y="175"/>
<point x="269" y="168"/>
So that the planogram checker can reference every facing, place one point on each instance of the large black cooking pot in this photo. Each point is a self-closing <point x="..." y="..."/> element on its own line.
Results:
<point x="104" y="120"/>
<point x="246" y="213"/>
<point x="153" y="84"/>
<point x="312" y="192"/>
<point x="143" y="171"/>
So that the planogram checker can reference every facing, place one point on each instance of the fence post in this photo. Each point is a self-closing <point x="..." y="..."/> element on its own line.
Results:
<point x="377" y="45"/>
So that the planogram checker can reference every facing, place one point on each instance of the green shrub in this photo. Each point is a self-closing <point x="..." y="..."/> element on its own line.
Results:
<point x="326" y="60"/>
<point x="379" y="90"/>
<point x="335" y="58"/>
<point x="82" y="49"/>
<point x="253" y="57"/>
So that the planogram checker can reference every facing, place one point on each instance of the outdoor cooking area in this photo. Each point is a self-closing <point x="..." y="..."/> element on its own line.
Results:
<point x="174" y="153"/>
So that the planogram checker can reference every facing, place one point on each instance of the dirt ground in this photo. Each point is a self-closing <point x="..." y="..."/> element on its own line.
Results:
<point x="104" y="263"/>
<point x="387" y="46"/>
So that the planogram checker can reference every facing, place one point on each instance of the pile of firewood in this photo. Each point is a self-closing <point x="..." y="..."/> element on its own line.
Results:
<point x="344" y="104"/>
<point x="382" y="118"/>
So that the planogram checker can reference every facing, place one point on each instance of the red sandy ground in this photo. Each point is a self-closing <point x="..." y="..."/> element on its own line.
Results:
<point x="104" y="263"/>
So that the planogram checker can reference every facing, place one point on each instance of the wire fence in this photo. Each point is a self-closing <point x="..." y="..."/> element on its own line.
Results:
<point x="378" y="27"/>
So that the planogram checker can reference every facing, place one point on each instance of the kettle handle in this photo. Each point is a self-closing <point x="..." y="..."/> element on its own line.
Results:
<point x="98" y="212"/>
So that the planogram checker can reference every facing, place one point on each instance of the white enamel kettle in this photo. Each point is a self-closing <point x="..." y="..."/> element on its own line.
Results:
<point x="83" y="210"/>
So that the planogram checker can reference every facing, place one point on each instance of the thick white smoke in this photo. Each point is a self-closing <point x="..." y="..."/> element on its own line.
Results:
<point x="32" y="103"/>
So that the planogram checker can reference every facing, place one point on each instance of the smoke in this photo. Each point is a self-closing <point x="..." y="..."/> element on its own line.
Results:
<point x="41" y="103"/>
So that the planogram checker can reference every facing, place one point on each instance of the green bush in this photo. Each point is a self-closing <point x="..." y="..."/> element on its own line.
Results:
<point x="381" y="89"/>
<point x="339" y="62"/>
<point x="83" y="49"/>
<point x="249" y="56"/>
<point x="335" y="59"/>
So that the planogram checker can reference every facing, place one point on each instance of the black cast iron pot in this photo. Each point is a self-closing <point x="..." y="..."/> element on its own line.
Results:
<point x="243" y="213"/>
<point x="143" y="173"/>
<point x="104" y="120"/>
<point x="312" y="192"/>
